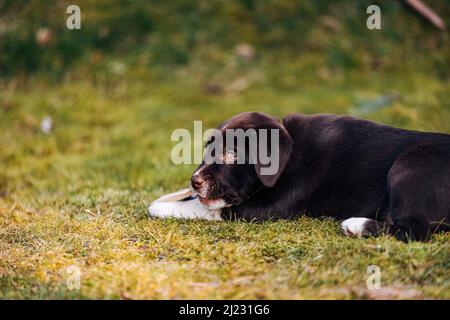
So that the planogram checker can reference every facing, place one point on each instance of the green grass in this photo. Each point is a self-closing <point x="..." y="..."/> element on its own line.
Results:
<point x="79" y="195"/>
<point x="117" y="88"/>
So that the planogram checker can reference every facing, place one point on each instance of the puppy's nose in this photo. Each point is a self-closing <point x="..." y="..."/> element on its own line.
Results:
<point x="196" y="181"/>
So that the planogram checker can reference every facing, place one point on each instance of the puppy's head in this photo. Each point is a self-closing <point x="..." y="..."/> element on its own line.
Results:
<point x="246" y="153"/>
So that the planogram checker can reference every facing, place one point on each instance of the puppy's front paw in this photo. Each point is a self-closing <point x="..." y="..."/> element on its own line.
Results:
<point x="188" y="209"/>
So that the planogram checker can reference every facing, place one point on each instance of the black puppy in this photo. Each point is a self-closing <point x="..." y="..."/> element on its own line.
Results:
<point x="378" y="178"/>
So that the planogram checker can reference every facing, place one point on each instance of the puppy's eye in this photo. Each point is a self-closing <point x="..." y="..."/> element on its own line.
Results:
<point x="230" y="156"/>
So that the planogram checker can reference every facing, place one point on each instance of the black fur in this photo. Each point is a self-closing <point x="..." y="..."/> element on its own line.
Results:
<point x="343" y="167"/>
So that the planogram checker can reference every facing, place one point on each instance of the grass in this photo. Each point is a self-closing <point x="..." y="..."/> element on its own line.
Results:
<point x="78" y="196"/>
<point x="117" y="88"/>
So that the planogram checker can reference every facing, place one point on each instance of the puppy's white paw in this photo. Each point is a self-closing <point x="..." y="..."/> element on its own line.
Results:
<point x="355" y="227"/>
<point x="186" y="209"/>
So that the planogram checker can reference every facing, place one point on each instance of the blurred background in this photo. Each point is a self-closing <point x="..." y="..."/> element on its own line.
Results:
<point x="175" y="34"/>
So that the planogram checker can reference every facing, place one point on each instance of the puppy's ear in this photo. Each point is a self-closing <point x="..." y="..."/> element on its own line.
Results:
<point x="285" y="144"/>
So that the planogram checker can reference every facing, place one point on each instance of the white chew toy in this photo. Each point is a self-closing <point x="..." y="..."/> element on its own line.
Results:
<point x="182" y="204"/>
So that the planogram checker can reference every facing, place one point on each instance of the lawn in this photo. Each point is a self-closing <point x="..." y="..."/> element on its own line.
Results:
<point x="77" y="197"/>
